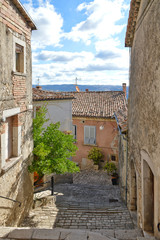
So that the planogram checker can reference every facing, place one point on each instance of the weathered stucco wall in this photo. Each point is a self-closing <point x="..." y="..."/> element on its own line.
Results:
<point x="144" y="109"/>
<point x="15" y="96"/>
<point x="122" y="165"/>
<point x="57" y="111"/>
<point x="106" y="140"/>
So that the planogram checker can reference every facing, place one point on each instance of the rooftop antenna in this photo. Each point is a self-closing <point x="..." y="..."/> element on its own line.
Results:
<point x="38" y="80"/>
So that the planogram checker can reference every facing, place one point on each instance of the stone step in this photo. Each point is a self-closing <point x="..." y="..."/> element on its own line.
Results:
<point x="146" y="238"/>
<point x="50" y="234"/>
<point x="130" y="234"/>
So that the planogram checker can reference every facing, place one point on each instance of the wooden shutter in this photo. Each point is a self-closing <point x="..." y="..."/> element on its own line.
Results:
<point x="92" y="135"/>
<point x="86" y="134"/>
<point x="74" y="131"/>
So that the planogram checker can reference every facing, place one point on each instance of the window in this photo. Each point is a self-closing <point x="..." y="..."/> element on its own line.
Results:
<point x="113" y="157"/>
<point x="19" y="58"/>
<point x="90" y="135"/>
<point x="74" y="131"/>
<point x="19" y="55"/>
<point x="11" y="137"/>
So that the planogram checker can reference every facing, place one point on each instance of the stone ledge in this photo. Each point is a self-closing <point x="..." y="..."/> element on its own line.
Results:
<point x="50" y="234"/>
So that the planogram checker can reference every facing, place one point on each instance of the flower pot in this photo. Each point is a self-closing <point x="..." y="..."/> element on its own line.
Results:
<point x="114" y="180"/>
<point x="96" y="167"/>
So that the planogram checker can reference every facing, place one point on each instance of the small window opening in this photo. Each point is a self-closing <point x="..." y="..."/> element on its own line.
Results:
<point x="113" y="158"/>
<point x="19" y="58"/>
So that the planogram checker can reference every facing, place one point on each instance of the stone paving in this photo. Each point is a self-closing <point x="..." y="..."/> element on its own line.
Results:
<point x="91" y="203"/>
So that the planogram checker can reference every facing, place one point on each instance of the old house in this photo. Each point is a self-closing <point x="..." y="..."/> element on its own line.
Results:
<point x="58" y="104"/>
<point x="94" y="124"/>
<point x="16" y="191"/>
<point x="143" y="39"/>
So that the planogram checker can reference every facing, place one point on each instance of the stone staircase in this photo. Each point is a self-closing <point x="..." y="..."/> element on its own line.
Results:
<point x="89" y="209"/>
<point x="10" y="233"/>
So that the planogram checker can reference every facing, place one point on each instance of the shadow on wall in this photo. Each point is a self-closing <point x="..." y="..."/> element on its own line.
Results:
<point x="21" y="190"/>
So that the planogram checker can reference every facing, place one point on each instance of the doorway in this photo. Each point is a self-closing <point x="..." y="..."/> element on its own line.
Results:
<point x="148" y="198"/>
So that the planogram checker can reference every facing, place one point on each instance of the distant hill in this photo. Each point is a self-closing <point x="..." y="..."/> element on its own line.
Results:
<point x="71" y="88"/>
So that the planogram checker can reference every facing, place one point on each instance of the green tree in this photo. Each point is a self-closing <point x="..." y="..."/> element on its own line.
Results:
<point x="52" y="148"/>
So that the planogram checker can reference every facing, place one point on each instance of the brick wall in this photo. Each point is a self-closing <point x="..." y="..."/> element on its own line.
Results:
<point x="15" y="93"/>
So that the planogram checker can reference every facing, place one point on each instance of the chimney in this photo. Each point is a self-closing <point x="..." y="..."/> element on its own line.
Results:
<point x="87" y="90"/>
<point x="39" y="87"/>
<point x="124" y="88"/>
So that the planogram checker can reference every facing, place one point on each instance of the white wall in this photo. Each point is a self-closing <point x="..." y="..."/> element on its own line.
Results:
<point x="58" y="111"/>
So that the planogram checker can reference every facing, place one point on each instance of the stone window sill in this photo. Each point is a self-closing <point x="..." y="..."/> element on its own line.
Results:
<point x="19" y="74"/>
<point x="10" y="163"/>
<point x="95" y="145"/>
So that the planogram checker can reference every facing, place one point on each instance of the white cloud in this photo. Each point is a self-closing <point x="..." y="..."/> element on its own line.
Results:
<point x="101" y="21"/>
<point x="63" y="67"/>
<point x="48" y="22"/>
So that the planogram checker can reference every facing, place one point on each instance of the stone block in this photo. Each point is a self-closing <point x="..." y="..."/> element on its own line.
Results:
<point x="4" y="231"/>
<point x="21" y="234"/>
<point x="63" y="178"/>
<point x="46" y="234"/>
<point x="127" y="234"/>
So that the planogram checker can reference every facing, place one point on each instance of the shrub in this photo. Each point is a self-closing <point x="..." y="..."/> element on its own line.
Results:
<point x="110" y="168"/>
<point x="96" y="155"/>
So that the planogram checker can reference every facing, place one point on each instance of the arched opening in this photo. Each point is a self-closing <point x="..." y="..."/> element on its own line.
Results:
<point x="148" y="198"/>
<point x="133" y="199"/>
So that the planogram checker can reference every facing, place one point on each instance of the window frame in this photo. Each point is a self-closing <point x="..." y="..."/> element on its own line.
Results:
<point x="16" y="138"/>
<point x="74" y="132"/>
<point x="17" y="41"/>
<point x="85" y="129"/>
<point x="113" y="155"/>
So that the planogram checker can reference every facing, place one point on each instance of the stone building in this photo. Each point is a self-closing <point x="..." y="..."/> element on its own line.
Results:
<point x="15" y="112"/>
<point x="121" y="117"/>
<point x="94" y="124"/>
<point x="143" y="38"/>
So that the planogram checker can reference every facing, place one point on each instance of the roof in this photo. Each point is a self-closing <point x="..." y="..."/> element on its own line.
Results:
<point x="133" y="14"/>
<point x="122" y="117"/>
<point x="24" y="14"/>
<point x="99" y="104"/>
<point x="91" y="104"/>
<point x="42" y="95"/>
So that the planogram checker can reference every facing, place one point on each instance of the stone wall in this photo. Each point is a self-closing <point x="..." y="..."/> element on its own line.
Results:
<point x="144" y="115"/>
<point x="122" y="165"/>
<point x="15" y="103"/>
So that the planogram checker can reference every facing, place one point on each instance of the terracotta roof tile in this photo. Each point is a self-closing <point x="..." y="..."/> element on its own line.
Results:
<point x="96" y="104"/>
<point x="101" y="104"/>
<point x="133" y="14"/>
<point x="42" y="95"/>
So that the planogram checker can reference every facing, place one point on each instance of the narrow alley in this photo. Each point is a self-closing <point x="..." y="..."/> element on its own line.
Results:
<point x="91" y="203"/>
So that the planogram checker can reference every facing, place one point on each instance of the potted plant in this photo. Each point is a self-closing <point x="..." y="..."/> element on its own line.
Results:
<point x="111" y="169"/>
<point x="96" y="155"/>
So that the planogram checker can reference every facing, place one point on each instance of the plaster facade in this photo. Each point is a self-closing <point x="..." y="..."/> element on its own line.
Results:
<point x="144" y="114"/>
<point x="15" y="112"/>
<point x="57" y="111"/>
<point x="106" y="140"/>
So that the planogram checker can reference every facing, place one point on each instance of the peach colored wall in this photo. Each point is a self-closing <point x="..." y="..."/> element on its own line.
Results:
<point x="106" y="139"/>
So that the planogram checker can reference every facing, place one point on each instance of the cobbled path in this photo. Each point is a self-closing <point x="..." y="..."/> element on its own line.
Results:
<point x="90" y="203"/>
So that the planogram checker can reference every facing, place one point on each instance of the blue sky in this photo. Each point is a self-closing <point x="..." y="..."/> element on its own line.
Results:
<point x="79" y="39"/>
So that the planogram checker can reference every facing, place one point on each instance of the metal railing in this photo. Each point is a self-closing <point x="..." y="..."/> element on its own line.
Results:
<point x="11" y="200"/>
<point x="42" y="183"/>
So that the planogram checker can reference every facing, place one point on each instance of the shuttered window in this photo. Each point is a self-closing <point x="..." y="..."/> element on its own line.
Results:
<point x="74" y="131"/>
<point x="90" y="135"/>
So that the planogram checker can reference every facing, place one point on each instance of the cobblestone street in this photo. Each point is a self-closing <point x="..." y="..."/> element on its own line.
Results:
<point x="90" y="203"/>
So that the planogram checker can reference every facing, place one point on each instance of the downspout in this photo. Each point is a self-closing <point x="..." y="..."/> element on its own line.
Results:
<point x="125" y="138"/>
